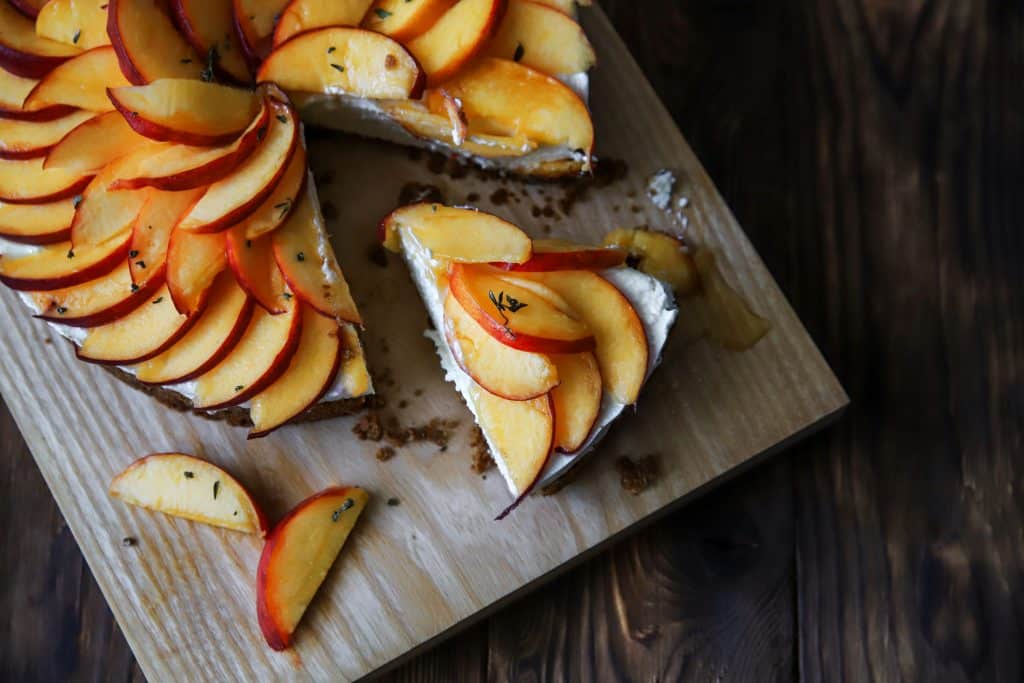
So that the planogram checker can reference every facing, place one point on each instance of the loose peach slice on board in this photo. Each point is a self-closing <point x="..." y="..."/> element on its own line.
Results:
<point x="185" y="486"/>
<point x="304" y="15"/>
<point x="95" y="302"/>
<point x="27" y="182"/>
<point x="459" y="35"/>
<point x="561" y="255"/>
<point x="94" y="144"/>
<point x="193" y="262"/>
<point x="22" y="52"/>
<point x="542" y="38"/>
<point x="344" y="60"/>
<point x="253" y="264"/>
<point x="147" y="44"/>
<point x="81" y="82"/>
<point x="82" y="23"/>
<point x="37" y="223"/>
<point x="403" y="20"/>
<point x="659" y="254"/>
<point x="463" y="235"/>
<point x="577" y="399"/>
<point x="34" y="139"/>
<point x="58" y="265"/>
<point x="297" y="556"/>
<point x="152" y="229"/>
<point x="208" y="25"/>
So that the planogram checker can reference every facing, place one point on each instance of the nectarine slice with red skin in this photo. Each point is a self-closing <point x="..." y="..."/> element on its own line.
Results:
<point x="261" y="355"/>
<point x="458" y="234"/>
<point x="253" y="264"/>
<point x="103" y="212"/>
<point x="456" y="37"/>
<point x="354" y="377"/>
<point x="234" y="197"/>
<point x="254" y="25"/>
<point x="403" y="20"/>
<point x="22" y="52"/>
<point x="27" y="182"/>
<point x="95" y="302"/>
<point x="297" y="556"/>
<point x="217" y="329"/>
<point x="145" y="332"/>
<point x="184" y="167"/>
<point x="310" y="374"/>
<point x="30" y="8"/>
<point x="276" y="208"/>
<point x="59" y="265"/>
<point x="660" y="255"/>
<point x="33" y="139"/>
<point x="147" y="44"/>
<point x="520" y="316"/>
<point x="560" y="255"/>
<point x="151" y="232"/>
<point x="303" y="15"/>
<point x="14" y="90"/>
<point x="501" y="370"/>
<point x="304" y="254"/>
<point x="351" y="61"/>
<point x="94" y="144"/>
<point x="542" y="38"/>
<point x="577" y="399"/>
<point x="80" y="82"/>
<point x="186" y="486"/>
<point x="193" y="263"/>
<point x="82" y="23"/>
<point x="209" y="24"/>
<point x="37" y="223"/>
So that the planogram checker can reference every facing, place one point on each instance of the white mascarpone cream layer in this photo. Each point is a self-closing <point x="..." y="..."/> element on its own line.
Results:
<point x="652" y="300"/>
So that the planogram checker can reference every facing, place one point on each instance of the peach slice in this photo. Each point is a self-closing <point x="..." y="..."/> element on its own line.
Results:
<point x="422" y="123"/>
<point x="14" y="90"/>
<point x="542" y="38"/>
<point x="82" y="23"/>
<point x="554" y="254"/>
<point x="151" y="232"/>
<point x="577" y="399"/>
<point x="354" y="377"/>
<point x="81" y="82"/>
<point x="303" y="15"/>
<point x="310" y="374"/>
<point x="58" y="265"/>
<point x="33" y="139"/>
<point x="95" y="302"/>
<point x="252" y="262"/>
<point x="502" y="97"/>
<point x="403" y="20"/>
<point x="519" y="314"/>
<point x="103" y="212"/>
<point x="566" y="7"/>
<point x="499" y="369"/>
<point x="344" y="60"/>
<point x="303" y="252"/>
<point x="183" y="167"/>
<point x="145" y="332"/>
<point x="22" y="52"/>
<point x="93" y="144"/>
<point x="185" y="486"/>
<point x="257" y="360"/>
<point x="208" y="26"/>
<point x="37" y="223"/>
<point x="30" y="8"/>
<point x="241" y="192"/>
<point x="621" y="340"/>
<point x="147" y="44"/>
<point x="276" y="208"/>
<point x="660" y="255"/>
<point x="193" y="262"/>
<point x="297" y="556"/>
<point x="458" y="36"/>
<point x="254" y="24"/>
<point x="27" y="182"/>
<point x="459" y="234"/>
<point x="217" y="329"/>
<point x="187" y="111"/>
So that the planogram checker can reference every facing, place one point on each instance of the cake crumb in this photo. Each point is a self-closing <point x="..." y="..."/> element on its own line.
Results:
<point x="403" y="403"/>
<point x="369" y="428"/>
<point x="385" y="453"/>
<point x="636" y="477"/>
<point x="437" y="432"/>
<point x="393" y="502"/>
<point x="482" y="460"/>
<point x="129" y="541"/>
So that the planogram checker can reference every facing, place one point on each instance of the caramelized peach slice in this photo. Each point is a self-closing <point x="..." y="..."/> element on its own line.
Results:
<point x="276" y="208"/>
<point x="22" y="52"/>
<point x="561" y="255"/>
<point x="27" y="182"/>
<point x="252" y="262"/>
<point x="305" y="15"/>
<point x="37" y="223"/>
<point x="14" y="90"/>
<point x="421" y="122"/>
<point x="254" y="24"/>
<point x="542" y="38"/>
<point x="577" y="399"/>
<point x="193" y="262"/>
<point x="660" y="255"/>
<point x="82" y="23"/>
<point x="33" y="139"/>
<point x="94" y="144"/>
<point x="464" y="235"/>
<point x="95" y="302"/>
<point x="403" y="20"/>
<point x="147" y="44"/>
<point x="208" y="25"/>
<point x="151" y="232"/>
<point x="81" y="82"/>
<point x="459" y="35"/>
<point x="103" y="212"/>
<point x="58" y="265"/>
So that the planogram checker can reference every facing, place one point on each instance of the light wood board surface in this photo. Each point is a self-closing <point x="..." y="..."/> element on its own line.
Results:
<point x="184" y="595"/>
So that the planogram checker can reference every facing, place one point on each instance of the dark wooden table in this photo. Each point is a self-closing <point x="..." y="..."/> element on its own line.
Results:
<point x="874" y="152"/>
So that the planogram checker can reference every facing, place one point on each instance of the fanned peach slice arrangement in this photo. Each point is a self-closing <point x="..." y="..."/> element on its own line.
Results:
<point x="546" y="340"/>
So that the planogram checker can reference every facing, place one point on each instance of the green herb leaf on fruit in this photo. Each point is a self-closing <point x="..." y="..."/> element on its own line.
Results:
<point x="382" y="13"/>
<point x="338" y="67"/>
<point x="71" y="253"/>
<point x="300" y="256"/>
<point x="134" y="288"/>
<point x="331" y="49"/>
<point x="78" y="34"/>
<point x="133" y="253"/>
<point x="282" y="118"/>
<point x="216" y="489"/>
<point x="344" y="506"/>
<point x="212" y="57"/>
<point x="284" y="207"/>
<point x="157" y="300"/>
<point x="520" y="51"/>
<point x="190" y="475"/>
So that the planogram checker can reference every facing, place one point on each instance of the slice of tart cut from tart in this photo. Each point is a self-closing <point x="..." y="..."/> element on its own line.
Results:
<point x="547" y="341"/>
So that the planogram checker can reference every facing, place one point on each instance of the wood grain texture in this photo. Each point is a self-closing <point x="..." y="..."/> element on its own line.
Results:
<point x="455" y="560"/>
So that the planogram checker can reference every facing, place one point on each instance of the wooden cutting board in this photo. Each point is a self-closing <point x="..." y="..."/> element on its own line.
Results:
<point x="413" y="572"/>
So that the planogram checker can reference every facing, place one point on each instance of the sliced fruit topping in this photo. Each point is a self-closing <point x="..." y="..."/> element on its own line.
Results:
<point x="93" y="144"/>
<point x="542" y="38"/>
<point x="102" y="212"/>
<point x="254" y="23"/>
<point x="561" y="255"/>
<point x="403" y="20"/>
<point x="304" y="15"/>
<point x="259" y="358"/>
<point x="310" y="374"/>
<point x="577" y="399"/>
<point x="252" y="262"/>
<point x="621" y="341"/>
<point x="208" y="25"/>
<point x="37" y="223"/>
<point x="464" y="235"/>
<point x="152" y="229"/>
<point x="185" y="486"/>
<point x="33" y="139"/>
<point x="297" y="556"/>
<point x="81" y="82"/>
<point x="658" y="254"/>
<point x="145" y="332"/>
<point x="193" y="262"/>
<point x="30" y="8"/>
<point x="216" y="331"/>
<point x="566" y="7"/>
<point x="501" y="370"/>
<point x="147" y="44"/>
<point x="519" y="314"/>
<point x="234" y="197"/>
<point x="187" y="111"/>
<point x="24" y="53"/>
<point x="82" y="23"/>
<point x="354" y="377"/>
<point x="459" y="35"/>
<point x="421" y="122"/>
<point x="26" y="182"/>
<point x="95" y="302"/>
<point x="522" y="432"/>
<point x="58" y="265"/>
<point x="14" y="90"/>
<point x="276" y="208"/>
<point x="351" y="61"/>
